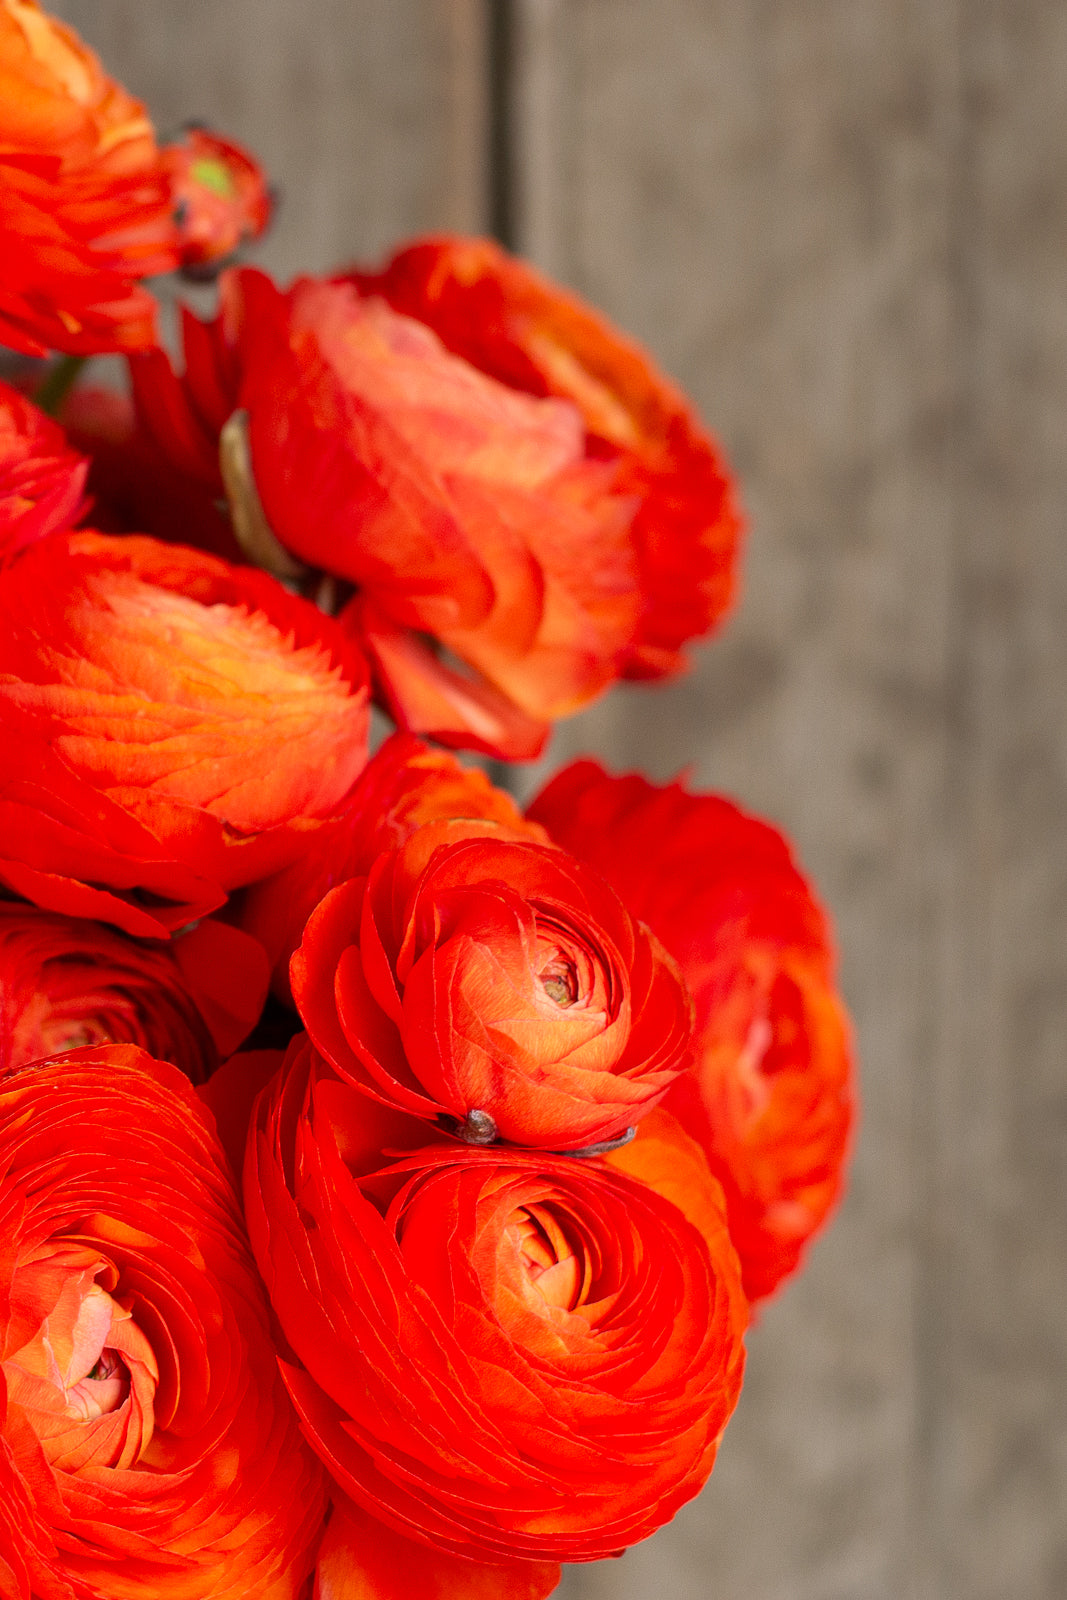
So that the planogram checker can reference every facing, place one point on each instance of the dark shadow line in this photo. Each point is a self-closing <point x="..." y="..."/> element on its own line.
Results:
<point x="501" y="153"/>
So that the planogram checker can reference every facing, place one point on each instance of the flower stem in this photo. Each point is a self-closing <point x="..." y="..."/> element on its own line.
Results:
<point x="58" y="383"/>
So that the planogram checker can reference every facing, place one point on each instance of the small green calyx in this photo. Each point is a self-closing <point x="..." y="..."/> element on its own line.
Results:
<point x="214" y="176"/>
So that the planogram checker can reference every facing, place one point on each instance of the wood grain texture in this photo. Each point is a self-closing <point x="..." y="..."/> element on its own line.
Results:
<point x="997" y="1285"/>
<point x="842" y="225"/>
<point x="765" y="194"/>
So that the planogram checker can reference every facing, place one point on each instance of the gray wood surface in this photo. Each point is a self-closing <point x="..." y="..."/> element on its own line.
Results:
<point x="842" y="225"/>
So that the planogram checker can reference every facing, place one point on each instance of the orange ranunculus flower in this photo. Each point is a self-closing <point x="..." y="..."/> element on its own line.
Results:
<point x="85" y="206"/>
<point x="770" y="1094"/>
<point x="42" y="480"/>
<point x="66" y="983"/>
<point x="220" y="198"/>
<point x="515" y="547"/>
<point x="405" y="784"/>
<point x="516" y="326"/>
<point x="496" y="984"/>
<point x="507" y="1355"/>
<point x="172" y="727"/>
<point x="147" y="1448"/>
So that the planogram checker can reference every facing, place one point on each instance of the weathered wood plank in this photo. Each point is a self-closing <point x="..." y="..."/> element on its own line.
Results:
<point x="997" y="1284"/>
<point x="765" y="193"/>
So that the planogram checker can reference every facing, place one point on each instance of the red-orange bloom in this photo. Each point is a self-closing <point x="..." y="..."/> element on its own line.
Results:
<point x="770" y="1096"/>
<point x="521" y="329"/>
<point x="147" y="1449"/>
<point x="219" y="195"/>
<point x="66" y="983"/>
<point x="405" y="784"/>
<point x="516" y="545"/>
<point x="42" y="480"/>
<point x="84" y="202"/>
<point x="173" y="727"/>
<point x="477" y="977"/>
<point x="507" y="1355"/>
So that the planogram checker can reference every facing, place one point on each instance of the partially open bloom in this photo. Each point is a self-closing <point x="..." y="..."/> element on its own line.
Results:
<point x="515" y="543"/>
<point x="496" y="984"/>
<point x="770" y="1094"/>
<point x="85" y="207"/>
<point x="42" y="480"/>
<point x="219" y="197"/>
<point x="173" y="727"/>
<point x="147" y="1449"/>
<point x="508" y="321"/>
<point x="66" y="982"/>
<point x="509" y="1355"/>
<point x="406" y="783"/>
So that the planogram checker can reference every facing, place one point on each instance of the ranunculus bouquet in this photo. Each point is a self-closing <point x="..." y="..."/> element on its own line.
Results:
<point x="387" y="1174"/>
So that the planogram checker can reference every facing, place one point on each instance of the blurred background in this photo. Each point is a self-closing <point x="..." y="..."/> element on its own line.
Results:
<point x="842" y="226"/>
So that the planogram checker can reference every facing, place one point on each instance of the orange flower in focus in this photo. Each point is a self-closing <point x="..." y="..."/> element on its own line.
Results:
<point x="497" y="985"/>
<point x="510" y="1356"/>
<point x="220" y="198"/>
<point x="519" y="328"/>
<point x="173" y="727"/>
<point x="406" y="783"/>
<point x="85" y="207"/>
<point x="42" y="480"/>
<point x="770" y="1094"/>
<point x="147" y="1448"/>
<point x="66" y="983"/>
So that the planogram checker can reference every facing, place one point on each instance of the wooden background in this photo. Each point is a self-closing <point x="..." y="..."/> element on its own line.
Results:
<point x="842" y="225"/>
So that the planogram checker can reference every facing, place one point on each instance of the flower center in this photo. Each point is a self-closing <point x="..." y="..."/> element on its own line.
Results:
<point x="86" y="1364"/>
<point x="559" y="979"/>
<point x="553" y="1272"/>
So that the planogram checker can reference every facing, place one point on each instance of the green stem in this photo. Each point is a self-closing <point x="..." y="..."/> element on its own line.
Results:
<point x="58" y="383"/>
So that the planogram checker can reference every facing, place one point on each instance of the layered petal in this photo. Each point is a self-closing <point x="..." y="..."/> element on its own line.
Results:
<point x="145" y="693"/>
<point x="42" y="480"/>
<point x="406" y="783"/>
<point x="506" y="1355"/>
<point x="510" y="322"/>
<point x="66" y="983"/>
<point x="85" y="206"/>
<point x="149" y="1449"/>
<point x="514" y="546"/>
<point x="493" y="983"/>
<point x="770" y="1095"/>
<point x="363" y="1559"/>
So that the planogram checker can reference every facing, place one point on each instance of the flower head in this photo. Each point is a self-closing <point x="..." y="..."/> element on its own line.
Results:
<point x="85" y="207"/>
<point x="770" y="1091"/>
<point x="495" y="983"/>
<point x="145" y="693"/>
<point x="507" y="1355"/>
<point x="148" y="1449"/>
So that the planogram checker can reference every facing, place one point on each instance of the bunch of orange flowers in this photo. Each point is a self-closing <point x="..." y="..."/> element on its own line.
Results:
<point x="387" y="1173"/>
